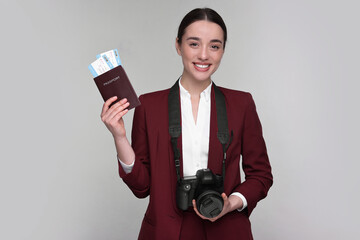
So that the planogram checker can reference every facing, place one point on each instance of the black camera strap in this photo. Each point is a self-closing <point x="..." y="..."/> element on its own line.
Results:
<point x="175" y="124"/>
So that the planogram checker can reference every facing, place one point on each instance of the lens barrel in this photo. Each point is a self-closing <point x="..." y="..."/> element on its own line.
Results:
<point x="210" y="204"/>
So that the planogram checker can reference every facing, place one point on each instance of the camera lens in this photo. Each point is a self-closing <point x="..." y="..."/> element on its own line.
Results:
<point x="210" y="204"/>
<point x="187" y="187"/>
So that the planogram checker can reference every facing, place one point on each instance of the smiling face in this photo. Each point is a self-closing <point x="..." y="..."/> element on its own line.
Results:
<point x="201" y="49"/>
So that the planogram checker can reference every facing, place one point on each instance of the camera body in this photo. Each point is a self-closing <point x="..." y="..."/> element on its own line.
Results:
<point x="206" y="188"/>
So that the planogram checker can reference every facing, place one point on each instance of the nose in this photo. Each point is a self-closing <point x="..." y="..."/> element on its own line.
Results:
<point x="203" y="53"/>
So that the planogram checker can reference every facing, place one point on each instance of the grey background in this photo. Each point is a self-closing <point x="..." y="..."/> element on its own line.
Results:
<point x="58" y="173"/>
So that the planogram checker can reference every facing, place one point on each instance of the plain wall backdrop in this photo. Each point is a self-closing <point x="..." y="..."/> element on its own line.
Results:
<point x="58" y="172"/>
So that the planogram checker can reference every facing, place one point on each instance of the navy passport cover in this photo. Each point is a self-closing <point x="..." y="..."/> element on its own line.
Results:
<point x="116" y="83"/>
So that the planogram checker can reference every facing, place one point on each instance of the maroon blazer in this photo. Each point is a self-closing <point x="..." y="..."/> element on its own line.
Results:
<point x="154" y="172"/>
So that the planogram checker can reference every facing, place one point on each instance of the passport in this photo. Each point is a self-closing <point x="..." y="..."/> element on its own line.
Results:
<point x="115" y="82"/>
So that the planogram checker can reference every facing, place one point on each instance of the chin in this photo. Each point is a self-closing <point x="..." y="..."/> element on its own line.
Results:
<point x="203" y="76"/>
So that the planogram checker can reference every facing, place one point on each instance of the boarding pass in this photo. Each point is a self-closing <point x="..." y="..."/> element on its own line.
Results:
<point x="105" y="61"/>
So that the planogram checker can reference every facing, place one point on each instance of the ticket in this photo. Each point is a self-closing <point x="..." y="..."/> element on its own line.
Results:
<point x="100" y="66"/>
<point x="117" y="57"/>
<point x="113" y="56"/>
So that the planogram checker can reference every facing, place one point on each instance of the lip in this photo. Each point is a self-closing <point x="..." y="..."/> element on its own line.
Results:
<point x="202" y="67"/>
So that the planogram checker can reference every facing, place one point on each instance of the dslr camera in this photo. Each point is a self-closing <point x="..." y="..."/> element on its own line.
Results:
<point x="206" y="188"/>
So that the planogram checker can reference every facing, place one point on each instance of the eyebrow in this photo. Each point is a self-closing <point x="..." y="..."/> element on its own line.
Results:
<point x="198" y="39"/>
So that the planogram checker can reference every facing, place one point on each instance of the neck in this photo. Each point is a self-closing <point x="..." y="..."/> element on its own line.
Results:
<point x="194" y="87"/>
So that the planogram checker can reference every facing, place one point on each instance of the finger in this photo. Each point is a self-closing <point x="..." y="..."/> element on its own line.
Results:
<point x="107" y="104"/>
<point x="118" y="109"/>
<point x="120" y="102"/>
<point x="110" y="110"/>
<point x="116" y="105"/>
<point x="118" y="116"/>
<point x="196" y="210"/>
<point x="194" y="204"/>
<point x="225" y="206"/>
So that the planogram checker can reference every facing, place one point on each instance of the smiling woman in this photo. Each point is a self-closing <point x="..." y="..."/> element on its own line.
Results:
<point x="201" y="49"/>
<point x="195" y="192"/>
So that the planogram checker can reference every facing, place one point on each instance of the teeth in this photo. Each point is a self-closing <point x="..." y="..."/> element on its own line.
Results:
<point x="202" y="66"/>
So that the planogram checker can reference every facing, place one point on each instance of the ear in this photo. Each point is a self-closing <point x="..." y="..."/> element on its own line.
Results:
<point x="177" y="46"/>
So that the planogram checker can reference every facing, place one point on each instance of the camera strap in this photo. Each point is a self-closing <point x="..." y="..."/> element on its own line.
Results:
<point x="175" y="124"/>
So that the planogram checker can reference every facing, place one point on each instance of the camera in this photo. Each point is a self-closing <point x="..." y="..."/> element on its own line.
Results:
<point x="206" y="188"/>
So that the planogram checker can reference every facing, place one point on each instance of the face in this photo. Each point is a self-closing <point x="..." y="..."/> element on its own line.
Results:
<point x="201" y="49"/>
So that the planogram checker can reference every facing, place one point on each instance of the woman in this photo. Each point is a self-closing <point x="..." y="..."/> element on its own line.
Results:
<point x="147" y="166"/>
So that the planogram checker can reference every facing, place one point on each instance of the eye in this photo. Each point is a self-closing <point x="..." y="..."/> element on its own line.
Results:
<point x="215" y="47"/>
<point x="194" y="44"/>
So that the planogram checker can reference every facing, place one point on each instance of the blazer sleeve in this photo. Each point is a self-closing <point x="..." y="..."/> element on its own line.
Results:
<point x="138" y="180"/>
<point x="255" y="161"/>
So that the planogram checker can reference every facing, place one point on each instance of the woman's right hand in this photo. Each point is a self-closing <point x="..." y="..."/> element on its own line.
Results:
<point x="112" y="117"/>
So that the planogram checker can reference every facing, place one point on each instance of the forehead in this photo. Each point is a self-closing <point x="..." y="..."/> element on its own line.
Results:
<point x="204" y="30"/>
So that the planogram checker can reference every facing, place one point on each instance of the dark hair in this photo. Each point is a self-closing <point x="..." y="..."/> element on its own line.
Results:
<point x="201" y="14"/>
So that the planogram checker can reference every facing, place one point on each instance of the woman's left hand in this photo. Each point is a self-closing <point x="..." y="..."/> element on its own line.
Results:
<point x="230" y="204"/>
